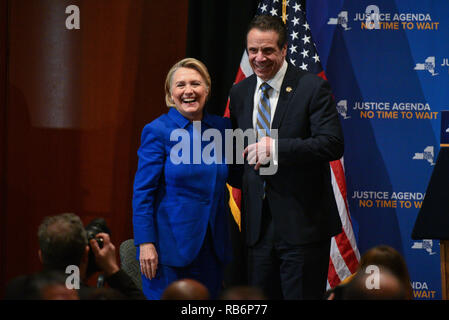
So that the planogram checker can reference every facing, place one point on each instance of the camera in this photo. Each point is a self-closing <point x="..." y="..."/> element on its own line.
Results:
<point x="92" y="229"/>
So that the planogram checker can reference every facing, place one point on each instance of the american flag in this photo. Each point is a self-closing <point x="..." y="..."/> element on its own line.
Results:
<point x="302" y="53"/>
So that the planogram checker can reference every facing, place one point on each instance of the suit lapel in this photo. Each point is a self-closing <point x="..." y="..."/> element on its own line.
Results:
<point x="249" y="103"/>
<point x="288" y="89"/>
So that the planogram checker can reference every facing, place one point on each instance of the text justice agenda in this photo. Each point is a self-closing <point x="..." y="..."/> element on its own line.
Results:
<point x="385" y="195"/>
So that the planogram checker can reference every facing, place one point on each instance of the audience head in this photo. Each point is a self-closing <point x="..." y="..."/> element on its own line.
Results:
<point x="185" y="289"/>
<point x="105" y="294"/>
<point x="243" y="293"/>
<point x="62" y="241"/>
<point x="390" y="258"/>
<point x="49" y="285"/>
<point x="375" y="283"/>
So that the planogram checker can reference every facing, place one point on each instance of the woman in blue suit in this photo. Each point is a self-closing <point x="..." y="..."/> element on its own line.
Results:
<point x="179" y="217"/>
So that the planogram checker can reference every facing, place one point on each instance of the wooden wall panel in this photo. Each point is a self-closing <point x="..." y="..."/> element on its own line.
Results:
<point x="78" y="100"/>
<point x="3" y="81"/>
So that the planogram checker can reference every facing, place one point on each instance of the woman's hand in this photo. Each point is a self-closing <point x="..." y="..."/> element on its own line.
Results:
<point x="148" y="260"/>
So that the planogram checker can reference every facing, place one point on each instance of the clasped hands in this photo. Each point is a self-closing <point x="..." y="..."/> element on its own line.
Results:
<point x="259" y="153"/>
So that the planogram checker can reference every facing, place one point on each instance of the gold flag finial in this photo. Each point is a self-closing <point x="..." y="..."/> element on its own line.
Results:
<point x="284" y="11"/>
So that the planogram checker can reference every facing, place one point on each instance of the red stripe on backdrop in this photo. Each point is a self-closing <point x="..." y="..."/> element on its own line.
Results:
<point x="227" y="114"/>
<point x="332" y="276"/>
<point x="237" y="195"/>
<point x="344" y="246"/>
<point x="346" y="251"/>
<point x="240" y="76"/>
<point x="339" y="174"/>
<point x="322" y="75"/>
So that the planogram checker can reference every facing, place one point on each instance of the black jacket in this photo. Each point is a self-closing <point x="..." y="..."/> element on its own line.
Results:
<point x="300" y="193"/>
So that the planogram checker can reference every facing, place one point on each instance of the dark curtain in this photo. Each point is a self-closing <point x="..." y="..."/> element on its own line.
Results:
<point x="216" y="35"/>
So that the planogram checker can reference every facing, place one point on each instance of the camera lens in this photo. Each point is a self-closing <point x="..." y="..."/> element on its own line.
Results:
<point x="100" y="242"/>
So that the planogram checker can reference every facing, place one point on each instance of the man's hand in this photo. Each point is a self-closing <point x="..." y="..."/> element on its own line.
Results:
<point x="148" y="260"/>
<point x="259" y="153"/>
<point x="105" y="257"/>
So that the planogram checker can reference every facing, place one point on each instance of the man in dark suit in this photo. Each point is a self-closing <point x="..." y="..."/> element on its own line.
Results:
<point x="290" y="215"/>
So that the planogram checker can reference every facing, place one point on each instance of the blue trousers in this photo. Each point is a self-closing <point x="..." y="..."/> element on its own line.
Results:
<point x="205" y="268"/>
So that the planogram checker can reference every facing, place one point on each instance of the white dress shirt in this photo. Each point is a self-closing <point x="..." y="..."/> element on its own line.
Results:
<point x="275" y="84"/>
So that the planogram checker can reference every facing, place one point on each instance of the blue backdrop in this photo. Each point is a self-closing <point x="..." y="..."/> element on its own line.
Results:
<point x="387" y="62"/>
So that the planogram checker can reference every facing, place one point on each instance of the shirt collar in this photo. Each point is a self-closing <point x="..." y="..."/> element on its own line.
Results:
<point x="182" y="121"/>
<point x="208" y="120"/>
<point x="276" y="81"/>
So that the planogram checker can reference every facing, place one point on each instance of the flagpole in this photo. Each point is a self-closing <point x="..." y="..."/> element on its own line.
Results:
<point x="284" y="11"/>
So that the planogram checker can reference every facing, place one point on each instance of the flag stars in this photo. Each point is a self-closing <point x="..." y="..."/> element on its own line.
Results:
<point x="306" y="39"/>
<point x="292" y="49"/>
<point x="294" y="35"/>
<point x="297" y="7"/>
<point x="301" y="51"/>
<point x="295" y="21"/>
<point x="305" y="53"/>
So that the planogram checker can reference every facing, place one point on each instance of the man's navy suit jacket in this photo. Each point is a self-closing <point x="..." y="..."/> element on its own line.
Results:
<point x="300" y="193"/>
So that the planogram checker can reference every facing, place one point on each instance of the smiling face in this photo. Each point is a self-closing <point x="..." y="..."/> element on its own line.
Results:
<point x="265" y="57"/>
<point x="189" y="93"/>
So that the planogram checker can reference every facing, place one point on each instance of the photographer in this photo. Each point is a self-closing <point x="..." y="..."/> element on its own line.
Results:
<point x="63" y="242"/>
<point x="106" y="261"/>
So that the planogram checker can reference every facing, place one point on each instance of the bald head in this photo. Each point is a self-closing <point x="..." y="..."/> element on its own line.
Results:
<point x="186" y="289"/>
<point x="243" y="293"/>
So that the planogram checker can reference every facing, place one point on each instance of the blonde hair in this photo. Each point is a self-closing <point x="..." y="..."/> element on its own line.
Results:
<point x="189" y="63"/>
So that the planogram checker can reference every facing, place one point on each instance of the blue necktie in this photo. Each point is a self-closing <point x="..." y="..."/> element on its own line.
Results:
<point x="263" y="118"/>
<point x="263" y="112"/>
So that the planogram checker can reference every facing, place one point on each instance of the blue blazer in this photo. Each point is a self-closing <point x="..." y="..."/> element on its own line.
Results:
<point x="174" y="203"/>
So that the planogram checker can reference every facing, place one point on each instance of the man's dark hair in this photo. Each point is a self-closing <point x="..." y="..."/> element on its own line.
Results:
<point x="37" y="283"/>
<point x="270" y="23"/>
<point x="62" y="240"/>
